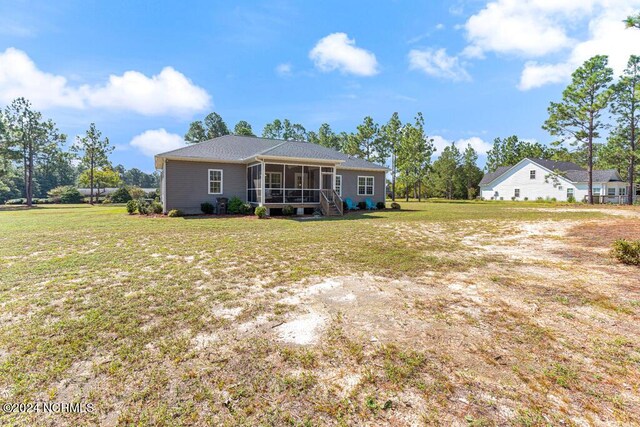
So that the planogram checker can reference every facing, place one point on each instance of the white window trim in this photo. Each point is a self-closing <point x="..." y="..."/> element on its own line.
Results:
<point x="516" y="193"/>
<point x="339" y="177"/>
<point x="268" y="181"/>
<point x="209" y="180"/>
<point x="373" y="185"/>
<point x="622" y="191"/>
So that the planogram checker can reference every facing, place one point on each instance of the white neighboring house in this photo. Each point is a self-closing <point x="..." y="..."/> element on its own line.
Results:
<point x="532" y="179"/>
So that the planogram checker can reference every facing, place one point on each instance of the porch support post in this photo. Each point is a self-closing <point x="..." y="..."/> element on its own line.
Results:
<point x="262" y="183"/>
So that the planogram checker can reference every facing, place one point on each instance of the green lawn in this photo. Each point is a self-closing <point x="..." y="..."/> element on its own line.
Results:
<point x="173" y="321"/>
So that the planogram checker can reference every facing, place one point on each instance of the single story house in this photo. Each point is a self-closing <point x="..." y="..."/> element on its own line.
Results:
<point x="537" y="178"/>
<point x="266" y="172"/>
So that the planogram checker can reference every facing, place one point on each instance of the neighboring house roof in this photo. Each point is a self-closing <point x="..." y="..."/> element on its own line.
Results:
<point x="491" y="176"/>
<point x="552" y="165"/>
<point x="571" y="171"/>
<point x="236" y="148"/>
<point x="607" y="175"/>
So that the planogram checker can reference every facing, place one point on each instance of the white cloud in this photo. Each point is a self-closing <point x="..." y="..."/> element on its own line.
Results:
<point x="607" y="36"/>
<point x="167" y="93"/>
<point x="438" y="64"/>
<point x="571" y="31"/>
<point x="283" y="69"/>
<point x="19" y="76"/>
<point x="476" y="143"/>
<point x="338" y="52"/>
<point x="528" y="28"/>
<point x="156" y="141"/>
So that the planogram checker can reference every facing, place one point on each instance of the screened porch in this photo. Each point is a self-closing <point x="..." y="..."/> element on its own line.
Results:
<point x="288" y="184"/>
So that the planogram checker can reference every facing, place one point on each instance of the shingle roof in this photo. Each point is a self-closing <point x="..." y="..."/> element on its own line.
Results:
<point x="598" y="175"/>
<point x="243" y="148"/>
<point x="228" y="147"/>
<point x="569" y="170"/>
<point x="488" y="177"/>
<point x="552" y="165"/>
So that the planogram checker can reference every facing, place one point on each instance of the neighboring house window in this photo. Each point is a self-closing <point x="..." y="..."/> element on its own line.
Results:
<point x="596" y="191"/>
<point x="532" y="174"/>
<point x="569" y="192"/>
<point x="273" y="180"/>
<point x="339" y="185"/>
<point x="623" y="191"/>
<point x="215" y="181"/>
<point x="365" y="186"/>
<point x="611" y="191"/>
<point x="516" y="193"/>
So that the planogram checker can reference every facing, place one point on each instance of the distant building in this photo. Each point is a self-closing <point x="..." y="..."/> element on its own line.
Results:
<point x="532" y="179"/>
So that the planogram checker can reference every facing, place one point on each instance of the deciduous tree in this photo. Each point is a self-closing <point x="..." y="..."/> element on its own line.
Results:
<point x="196" y="133"/>
<point x="215" y="126"/>
<point x="243" y="128"/>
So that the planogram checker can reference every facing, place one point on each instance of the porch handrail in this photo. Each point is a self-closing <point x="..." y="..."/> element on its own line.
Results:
<point x="331" y="196"/>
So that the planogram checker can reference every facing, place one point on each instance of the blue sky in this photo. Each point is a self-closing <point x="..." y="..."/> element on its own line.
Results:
<point x="144" y="70"/>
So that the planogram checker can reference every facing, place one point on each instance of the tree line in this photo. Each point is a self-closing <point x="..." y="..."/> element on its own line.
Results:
<point x="33" y="159"/>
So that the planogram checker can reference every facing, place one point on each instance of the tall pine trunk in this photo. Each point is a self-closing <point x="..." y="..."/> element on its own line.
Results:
<point x="30" y="176"/>
<point x="632" y="166"/>
<point x="590" y="159"/>
<point x="632" y="159"/>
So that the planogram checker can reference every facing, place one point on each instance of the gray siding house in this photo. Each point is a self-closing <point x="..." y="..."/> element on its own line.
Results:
<point x="266" y="172"/>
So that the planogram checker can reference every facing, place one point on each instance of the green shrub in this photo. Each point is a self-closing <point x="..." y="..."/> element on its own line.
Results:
<point x="234" y="206"/>
<point x="65" y="194"/>
<point x="71" y="195"/>
<point x="526" y="199"/>
<point x="143" y="207"/>
<point x="627" y="252"/>
<point x="571" y="199"/>
<point x="155" y="208"/>
<point x="246" y="209"/>
<point x="362" y="205"/>
<point x="121" y="195"/>
<point x="395" y="205"/>
<point x="288" y="210"/>
<point x="153" y="195"/>
<point x="175" y="213"/>
<point x="137" y="193"/>
<point x="261" y="211"/>
<point x="132" y="207"/>
<point x="381" y="205"/>
<point x="206" y="208"/>
<point x="16" y="202"/>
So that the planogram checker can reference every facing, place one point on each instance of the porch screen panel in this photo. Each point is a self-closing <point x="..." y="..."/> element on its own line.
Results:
<point x="254" y="183"/>
<point x="311" y="184"/>
<point x="293" y="180"/>
<point x="274" y="192"/>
